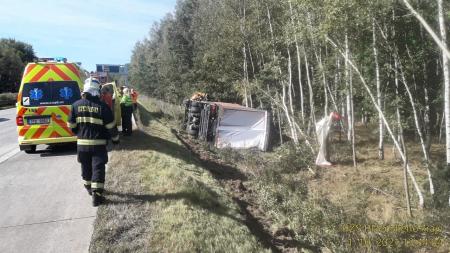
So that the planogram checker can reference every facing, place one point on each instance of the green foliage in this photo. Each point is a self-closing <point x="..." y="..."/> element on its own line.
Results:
<point x="14" y="55"/>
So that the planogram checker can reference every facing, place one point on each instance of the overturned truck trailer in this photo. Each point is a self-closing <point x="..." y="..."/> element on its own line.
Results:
<point x="227" y="125"/>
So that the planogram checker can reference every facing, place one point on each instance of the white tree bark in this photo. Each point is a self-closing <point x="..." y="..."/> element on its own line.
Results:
<point x="300" y="82"/>
<point x="445" y="57"/>
<point x="300" y="85"/>
<point x="288" y="117"/>
<point x="352" y="112"/>
<point x="279" y="126"/>
<point x="244" y="52"/>
<point x="291" y="106"/>
<point x="347" y="85"/>
<point x="405" y="163"/>
<point x="388" y="128"/>
<point x="310" y="89"/>
<point x="426" y="118"/>
<point x="446" y="78"/>
<point x="244" y="67"/>
<point x="379" y="96"/>
<point x="325" y="84"/>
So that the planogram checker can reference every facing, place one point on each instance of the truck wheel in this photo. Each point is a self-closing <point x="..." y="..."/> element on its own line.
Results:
<point x="193" y="127"/>
<point x="194" y="114"/>
<point x="192" y="132"/>
<point x="31" y="149"/>
<point x="195" y="109"/>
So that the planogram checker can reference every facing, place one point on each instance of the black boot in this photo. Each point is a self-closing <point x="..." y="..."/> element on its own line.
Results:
<point x="97" y="198"/>
<point x="88" y="188"/>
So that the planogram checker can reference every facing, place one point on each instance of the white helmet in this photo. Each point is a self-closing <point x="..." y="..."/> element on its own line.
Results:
<point x="92" y="86"/>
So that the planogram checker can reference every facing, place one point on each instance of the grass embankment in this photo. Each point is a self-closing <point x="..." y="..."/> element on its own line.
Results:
<point x="340" y="208"/>
<point x="321" y="209"/>
<point x="161" y="199"/>
<point x="7" y="100"/>
<point x="164" y="198"/>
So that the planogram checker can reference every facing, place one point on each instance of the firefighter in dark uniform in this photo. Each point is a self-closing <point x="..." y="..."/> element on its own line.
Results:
<point x="93" y="123"/>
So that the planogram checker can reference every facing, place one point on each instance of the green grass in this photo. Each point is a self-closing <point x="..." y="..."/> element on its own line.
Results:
<point x="7" y="100"/>
<point x="161" y="199"/>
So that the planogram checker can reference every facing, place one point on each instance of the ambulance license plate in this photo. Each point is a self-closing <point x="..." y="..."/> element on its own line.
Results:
<point x="38" y="121"/>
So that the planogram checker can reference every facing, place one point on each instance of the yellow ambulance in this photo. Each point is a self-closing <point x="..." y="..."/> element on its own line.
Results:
<point x="48" y="89"/>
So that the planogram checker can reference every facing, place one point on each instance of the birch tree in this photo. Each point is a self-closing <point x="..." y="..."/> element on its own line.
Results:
<point x="445" y="58"/>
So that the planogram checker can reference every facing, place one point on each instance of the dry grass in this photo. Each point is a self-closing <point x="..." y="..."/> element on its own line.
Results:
<point x="315" y="208"/>
<point x="375" y="188"/>
<point x="160" y="199"/>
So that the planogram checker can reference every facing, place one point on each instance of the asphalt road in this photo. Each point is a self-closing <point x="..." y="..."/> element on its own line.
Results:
<point x="43" y="205"/>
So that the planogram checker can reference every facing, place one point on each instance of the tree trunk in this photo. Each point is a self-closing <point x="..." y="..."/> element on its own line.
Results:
<point x="405" y="163"/>
<point x="325" y="84"/>
<point x="244" y="66"/>
<point x="279" y="126"/>
<point x="446" y="79"/>
<point x="379" y="96"/>
<point x="426" y="119"/>
<point x="300" y="85"/>
<point x="288" y="117"/>
<point x="402" y="140"/>
<point x="352" y="111"/>
<point x="271" y="30"/>
<point x="291" y="106"/>
<point x="347" y="85"/>
<point x="310" y="89"/>
<point x="244" y="52"/>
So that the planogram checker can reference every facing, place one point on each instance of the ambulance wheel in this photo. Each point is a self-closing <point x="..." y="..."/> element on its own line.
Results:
<point x="195" y="109"/>
<point x="31" y="149"/>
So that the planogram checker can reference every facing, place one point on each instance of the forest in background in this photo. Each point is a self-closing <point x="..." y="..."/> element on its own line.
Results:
<point x="14" y="55"/>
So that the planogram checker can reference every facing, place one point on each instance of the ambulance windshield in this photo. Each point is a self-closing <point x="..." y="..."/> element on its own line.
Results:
<point x="50" y="93"/>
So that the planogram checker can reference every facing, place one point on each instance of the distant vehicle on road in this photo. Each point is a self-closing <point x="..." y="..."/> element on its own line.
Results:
<point x="47" y="90"/>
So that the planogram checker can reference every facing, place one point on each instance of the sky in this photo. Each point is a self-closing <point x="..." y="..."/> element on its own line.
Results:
<point x="87" y="31"/>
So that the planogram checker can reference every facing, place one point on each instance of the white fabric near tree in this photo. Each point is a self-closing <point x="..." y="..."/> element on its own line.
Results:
<point x="322" y="129"/>
<point x="242" y="129"/>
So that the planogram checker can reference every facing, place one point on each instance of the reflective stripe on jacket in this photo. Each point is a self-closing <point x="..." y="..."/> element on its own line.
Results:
<point x="93" y="122"/>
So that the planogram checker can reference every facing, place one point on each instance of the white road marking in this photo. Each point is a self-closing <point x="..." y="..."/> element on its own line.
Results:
<point x="9" y="154"/>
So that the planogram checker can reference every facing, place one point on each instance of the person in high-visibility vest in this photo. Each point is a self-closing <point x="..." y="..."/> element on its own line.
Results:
<point x="126" y="105"/>
<point x="134" y="97"/>
<point x="93" y="123"/>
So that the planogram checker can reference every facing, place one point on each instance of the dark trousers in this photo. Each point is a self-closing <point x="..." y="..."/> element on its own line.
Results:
<point x="127" y="125"/>
<point x="93" y="167"/>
